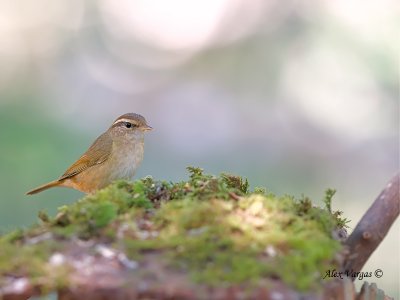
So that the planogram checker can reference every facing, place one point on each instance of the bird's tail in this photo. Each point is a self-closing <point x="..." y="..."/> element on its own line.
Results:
<point x="44" y="187"/>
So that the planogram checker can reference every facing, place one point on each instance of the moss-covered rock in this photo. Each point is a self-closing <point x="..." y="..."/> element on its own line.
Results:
<point x="212" y="228"/>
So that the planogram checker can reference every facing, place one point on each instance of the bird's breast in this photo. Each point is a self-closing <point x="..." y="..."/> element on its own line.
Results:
<point x="125" y="159"/>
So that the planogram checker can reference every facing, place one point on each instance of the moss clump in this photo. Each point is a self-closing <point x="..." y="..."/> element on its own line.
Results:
<point x="211" y="227"/>
<point x="228" y="241"/>
<point x="18" y="258"/>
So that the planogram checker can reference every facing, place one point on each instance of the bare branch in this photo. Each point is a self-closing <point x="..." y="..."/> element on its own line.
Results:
<point x="373" y="226"/>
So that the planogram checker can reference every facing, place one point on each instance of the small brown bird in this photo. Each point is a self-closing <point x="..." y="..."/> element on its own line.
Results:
<point x="116" y="154"/>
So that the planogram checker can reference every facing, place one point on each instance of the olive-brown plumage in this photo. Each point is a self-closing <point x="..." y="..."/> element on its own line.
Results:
<point x="115" y="154"/>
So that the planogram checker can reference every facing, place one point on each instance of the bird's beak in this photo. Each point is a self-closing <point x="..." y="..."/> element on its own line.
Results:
<point x="147" y="128"/>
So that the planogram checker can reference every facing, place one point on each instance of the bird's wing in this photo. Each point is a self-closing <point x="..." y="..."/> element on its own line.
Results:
<point x="97" y="153"/>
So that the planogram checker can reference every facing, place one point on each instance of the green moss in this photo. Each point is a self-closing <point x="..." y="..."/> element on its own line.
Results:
<point x="224" y="241"/>
<point x="12" y="236"/>
<point x="25" y="259"/>
<point x="211" y="227"/>
<point x="236" y="182"/>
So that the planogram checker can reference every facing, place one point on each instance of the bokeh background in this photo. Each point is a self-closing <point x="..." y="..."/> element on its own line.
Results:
<point x="297" y="96"/>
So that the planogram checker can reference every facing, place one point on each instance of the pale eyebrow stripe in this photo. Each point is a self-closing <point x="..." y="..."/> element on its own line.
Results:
<point x="122" y="120"/>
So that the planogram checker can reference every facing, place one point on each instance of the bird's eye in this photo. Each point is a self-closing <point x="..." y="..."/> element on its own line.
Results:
<point x="128" y="125"/>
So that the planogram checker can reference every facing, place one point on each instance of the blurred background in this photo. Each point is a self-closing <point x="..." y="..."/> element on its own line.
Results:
<point x="295" y="96"/>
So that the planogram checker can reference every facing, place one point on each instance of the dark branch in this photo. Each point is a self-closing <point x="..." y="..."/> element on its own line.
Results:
<point x="373" y="226"/>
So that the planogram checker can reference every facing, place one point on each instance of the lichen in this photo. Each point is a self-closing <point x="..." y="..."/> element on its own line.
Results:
<point x="211" y="227"/>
